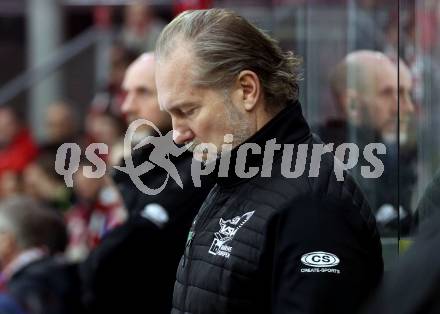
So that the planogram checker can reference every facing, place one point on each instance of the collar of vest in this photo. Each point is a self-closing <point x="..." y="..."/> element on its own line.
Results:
<point x="287" y="127"/>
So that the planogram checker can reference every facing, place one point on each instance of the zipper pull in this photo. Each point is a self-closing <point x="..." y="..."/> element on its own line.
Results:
<point x="189" y="240"/>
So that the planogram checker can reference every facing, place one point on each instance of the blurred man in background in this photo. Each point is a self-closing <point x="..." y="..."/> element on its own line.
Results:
<point x="141" y="103"/>
<point x="31" y="238"/>
<point x="141" y="27"/>
<point x="134" y="267"/>
<point x="108" y="128"/>
<point x="97" y="209"/>
<point x="364" y="86"/>
<point x="61" y="125"/>
<point x="41" y="182"/>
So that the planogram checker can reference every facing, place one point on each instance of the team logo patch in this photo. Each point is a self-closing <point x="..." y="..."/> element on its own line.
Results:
<point x="228" y="229"/>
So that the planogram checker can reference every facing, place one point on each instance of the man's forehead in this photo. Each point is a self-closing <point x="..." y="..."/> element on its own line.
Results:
<point x="175" y="77"/>
<point x="140" y="74"/>
<point x="175" y="98"/>
<point x="405" y="76"/>
<point x="385" y="76"/>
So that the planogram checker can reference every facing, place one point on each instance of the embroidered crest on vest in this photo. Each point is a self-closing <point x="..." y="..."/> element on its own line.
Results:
<point x="228" y="229"/>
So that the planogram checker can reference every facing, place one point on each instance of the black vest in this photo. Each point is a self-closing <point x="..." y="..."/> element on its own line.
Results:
<point x="271" y="244"/>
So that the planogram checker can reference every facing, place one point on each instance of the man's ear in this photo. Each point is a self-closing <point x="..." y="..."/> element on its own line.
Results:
<point x="249" y="85"/>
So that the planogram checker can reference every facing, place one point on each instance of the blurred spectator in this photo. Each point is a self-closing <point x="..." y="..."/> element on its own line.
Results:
<point x="407" y="156"/>
<point x="42" y="183"/>
<point x="406" y="104"/>
<point x="141" y="99"/>
<point x="108" y="129"/>
<point x="10" y="184"/>
<point x="110" y="96"/>
<point x="141" y="28"/>
<point x="31" y="237"/>
<point x="97" y="210"/>
<point x="61" y="125"/>
<point x="141" y="103"/>
<point x="17" y="150"/>
<point x="148" y="246"/>
<point x="364" y="86"/>
<point x="366" y="34"/>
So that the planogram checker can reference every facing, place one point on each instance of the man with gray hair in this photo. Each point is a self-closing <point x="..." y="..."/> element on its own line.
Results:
<point x="262" y="242"/>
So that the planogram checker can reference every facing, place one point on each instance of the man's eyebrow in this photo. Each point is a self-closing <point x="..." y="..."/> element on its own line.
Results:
<point x="142" y="89"/>
<point x="180" y="105"/>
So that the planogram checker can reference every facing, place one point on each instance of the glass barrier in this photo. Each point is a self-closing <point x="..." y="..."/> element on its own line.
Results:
<point x="349" y="94"/>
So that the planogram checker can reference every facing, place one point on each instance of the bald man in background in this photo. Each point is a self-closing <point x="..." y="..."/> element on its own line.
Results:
<point x="145" y="251"/>
<point x="365" y="89"/>
<point x="141" y="100"/>
<point x="141" y="103"/>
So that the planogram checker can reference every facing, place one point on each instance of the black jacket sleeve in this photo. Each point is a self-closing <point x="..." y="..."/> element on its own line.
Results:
<point x="133" y="268"/>
<point x="325" y="258"/>
<point x="413" y="285"/>
<point x="124" y="272"/>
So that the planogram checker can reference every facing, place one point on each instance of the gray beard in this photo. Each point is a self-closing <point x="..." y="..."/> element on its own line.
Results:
<point x="237" y="121"/>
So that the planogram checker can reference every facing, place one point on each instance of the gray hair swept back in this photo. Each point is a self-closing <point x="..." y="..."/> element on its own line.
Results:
<point x="225" y="44"/>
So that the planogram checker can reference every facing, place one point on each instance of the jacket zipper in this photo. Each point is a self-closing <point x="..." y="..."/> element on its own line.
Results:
<point x="192" y="232"/>
<point x="189" y="240"/>
<point x="205" y="212"/>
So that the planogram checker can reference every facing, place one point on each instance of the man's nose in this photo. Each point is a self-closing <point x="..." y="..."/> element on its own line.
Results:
<point x="181" y="134"/>
<point x="182" y="137"/>
<point x="406" y="105"/>
<point x="128" y="104"/>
